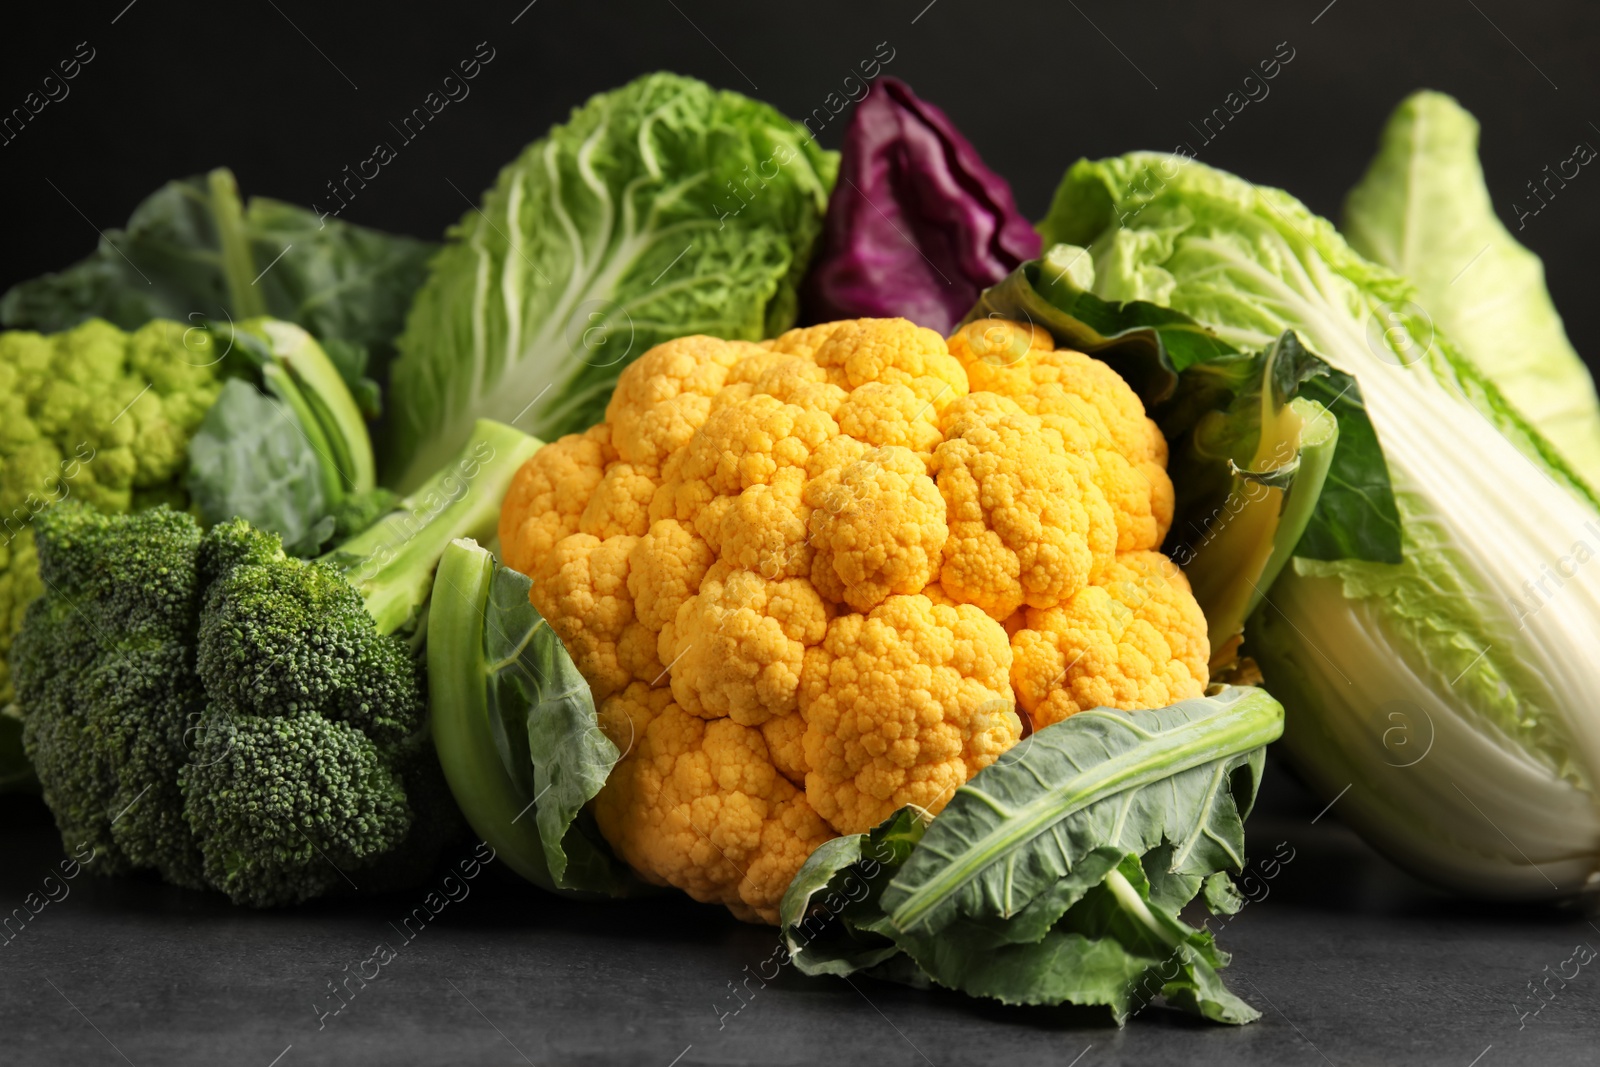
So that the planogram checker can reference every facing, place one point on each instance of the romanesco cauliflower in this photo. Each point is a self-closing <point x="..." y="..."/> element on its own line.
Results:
<point x="91" y="414"/>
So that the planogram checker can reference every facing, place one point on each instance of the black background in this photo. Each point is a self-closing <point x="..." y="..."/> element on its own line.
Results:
<point x="287" y="92"/>
<point x="1350" y="961"/>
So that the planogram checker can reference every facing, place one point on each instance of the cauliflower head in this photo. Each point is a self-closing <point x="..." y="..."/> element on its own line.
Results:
<point x="816" y="579"/>
<point x="92" y="414"/>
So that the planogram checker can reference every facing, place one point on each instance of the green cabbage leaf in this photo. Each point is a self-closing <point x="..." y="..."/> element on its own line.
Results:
<point x="1423" y="210"/>
<point x="660" y="209"/>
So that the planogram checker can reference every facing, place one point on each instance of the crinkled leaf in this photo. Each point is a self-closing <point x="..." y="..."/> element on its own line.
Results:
<point x="659" y="209"/>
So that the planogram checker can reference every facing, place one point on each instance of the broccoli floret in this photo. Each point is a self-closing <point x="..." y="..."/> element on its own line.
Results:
<point x="297" y="782"/>
<point x="231" y="716"/>
<point x="104" y="671"/>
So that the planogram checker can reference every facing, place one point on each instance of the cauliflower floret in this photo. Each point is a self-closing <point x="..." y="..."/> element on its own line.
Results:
<point x="878" y="526"/>
<point x="763" y="528"/>
<point x="736" y="647"/>
<point x="902" y="706"/>
<point x="746" y="444"/>
<point x="549" y="494"/>
<point x="1096" y="411"/>
<point x="791" y="379"/>
<point x="699" y="805"/>
<point x="665" y="570"/>
<point x="621" y="502"/>
<point x="581" y="588"/>
<point x="1135" y="639"/>
<point x="998" y="344"/>
<point x="892" y="351"/>
<point x="663" y="397"/>
<point x="802" y="342"/>
<point x="1018" y="360"/>
<point x="786" y="743"/>
<point x="886" y="413"/>
<point x="1028" y="524"/>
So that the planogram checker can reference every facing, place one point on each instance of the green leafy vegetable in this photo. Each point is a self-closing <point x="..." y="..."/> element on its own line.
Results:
<point x="1057" y="874"/>
<point x="250" y="459"/>
<point x="1452" y="692"/>
<point x="191" y="251"/>
<point x="660" y="209"/>
<point x="292" y="458"/>
<point x="1423" y="210"/>
<point x="515" y="727"/>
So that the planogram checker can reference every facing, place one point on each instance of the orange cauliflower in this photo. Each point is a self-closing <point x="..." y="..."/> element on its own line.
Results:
<point x="697" y="804"/>
<point x="816" y="579"/>
<point x="902" y="706"/>
<point x="1136" y="639"/>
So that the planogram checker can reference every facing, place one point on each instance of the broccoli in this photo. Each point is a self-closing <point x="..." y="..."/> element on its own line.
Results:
<point x="210" y="707"/>
<point x="105" y="677"/>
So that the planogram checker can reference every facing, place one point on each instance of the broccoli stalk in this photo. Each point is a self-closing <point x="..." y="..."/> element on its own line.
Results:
<point x="272" y="738"/>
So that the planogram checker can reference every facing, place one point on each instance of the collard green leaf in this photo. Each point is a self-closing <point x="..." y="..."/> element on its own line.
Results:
<point x="1129" y="780"/>
<point x="1222" y="896"/>
<point x="1056" y="875"/>
<point x="829" y="914"/>
<point x="250" y="460"/>
<point x="516" y="730"/>
<point x="192" y="251"/>
<point x="293" y="457"/>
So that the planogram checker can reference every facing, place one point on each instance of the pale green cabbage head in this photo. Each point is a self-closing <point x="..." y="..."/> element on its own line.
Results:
<point x="1423" y="210"/>
<point x="1451" y="701"/>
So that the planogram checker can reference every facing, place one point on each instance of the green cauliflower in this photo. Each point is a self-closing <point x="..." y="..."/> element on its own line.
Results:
<point x="95" y="415"/>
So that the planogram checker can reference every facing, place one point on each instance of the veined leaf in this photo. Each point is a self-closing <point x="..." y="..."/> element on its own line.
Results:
<point x="192" y="251"/>
<point x="515" y="726"/>
<point x="1056" y="875"/>
<point x="660" y="209"/>
<point x="1020" y="826"/>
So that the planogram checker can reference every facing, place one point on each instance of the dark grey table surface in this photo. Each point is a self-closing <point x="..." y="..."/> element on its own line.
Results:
<point x="1350" y="962"/>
